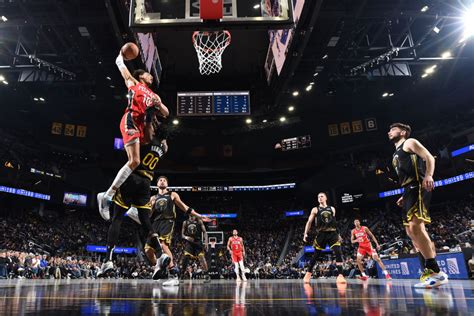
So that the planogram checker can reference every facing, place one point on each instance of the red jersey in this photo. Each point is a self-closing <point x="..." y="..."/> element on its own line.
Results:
<point x="236" y="244"/>
<point x="361" y="236"/>
<point x="140" y="97"/>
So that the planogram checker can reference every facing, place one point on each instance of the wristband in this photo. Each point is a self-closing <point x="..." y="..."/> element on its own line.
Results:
<point x="189" y="210"/>
<point x="119" y="62"/>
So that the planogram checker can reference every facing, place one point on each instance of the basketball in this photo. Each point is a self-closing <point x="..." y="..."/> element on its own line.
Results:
<point x="129" y="51"/>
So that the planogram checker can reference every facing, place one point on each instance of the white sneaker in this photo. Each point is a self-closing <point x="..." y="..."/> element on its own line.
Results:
<point x="171" y="282"/>
<point x="133" y="214"/>
<point x="106" y="266"/>
<point x="104" y="206"/>
<point x="244" y="278"/>
<point x="160" y="267"/>
<point x="430" y="279"/>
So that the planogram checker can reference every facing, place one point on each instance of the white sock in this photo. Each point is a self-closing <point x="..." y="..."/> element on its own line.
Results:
<point x="363" y="274"/>
<point x="385" y="272"/>
<point x="122" y="175"/>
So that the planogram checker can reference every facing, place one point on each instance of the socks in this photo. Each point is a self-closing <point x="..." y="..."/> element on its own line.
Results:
<point x="432" y="264"/>
<point x="363" y="274"/>
<point x="122" y="175"/>
<point x="385" y="272"/>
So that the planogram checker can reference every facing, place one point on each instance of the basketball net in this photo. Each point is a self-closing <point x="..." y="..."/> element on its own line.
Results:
<point x="209" y="48"/>
<point x="213" y="244"/>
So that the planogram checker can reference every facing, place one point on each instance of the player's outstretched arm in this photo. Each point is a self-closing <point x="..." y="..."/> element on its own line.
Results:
<point x="186" y="209"/>
<point x="127" y="76"/>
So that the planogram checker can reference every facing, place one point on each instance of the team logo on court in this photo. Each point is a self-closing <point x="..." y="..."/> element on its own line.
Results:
<point x="453" y="267"/>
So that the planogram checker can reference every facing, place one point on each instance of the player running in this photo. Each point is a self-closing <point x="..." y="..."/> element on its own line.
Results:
<point x="235" y="245"/>
<point x="143" y="105"/>
<point x="360" y="234"/>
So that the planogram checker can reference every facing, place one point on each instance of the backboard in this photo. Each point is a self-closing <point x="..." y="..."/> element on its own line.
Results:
<point x="153" y="15"/>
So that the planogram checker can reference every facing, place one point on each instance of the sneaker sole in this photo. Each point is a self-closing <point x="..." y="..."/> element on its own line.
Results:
<point x="160" y="273"/>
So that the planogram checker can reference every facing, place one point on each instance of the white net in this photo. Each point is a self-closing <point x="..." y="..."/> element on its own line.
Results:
<point x="209" y="48"/>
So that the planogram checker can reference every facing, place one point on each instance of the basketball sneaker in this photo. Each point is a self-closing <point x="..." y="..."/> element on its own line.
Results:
<point x="363" y="277"/>
<point x="106" y="267"/>
<point x="307" y="277"/>
<point x="133" y="214"/>
<point x="429" y="279"/>
<point x="104" y="206"/>
<point x="388" y="277"/>
<point x="160" y="267"/>
<point x="341" y="279"/>
<point x="172" y="281"/>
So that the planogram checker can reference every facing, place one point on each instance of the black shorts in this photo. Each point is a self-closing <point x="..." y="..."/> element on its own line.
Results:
<point x="416" y="202"/>
<point x="194" y="250"/>
<point x="135" y="191"/>
<point x="164" y="228"/>
<point x="330" y="238"/>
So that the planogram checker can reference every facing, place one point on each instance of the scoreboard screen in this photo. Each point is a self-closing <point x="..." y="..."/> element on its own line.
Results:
<point x="296" y="143"/>
<point x="213" y="103"/>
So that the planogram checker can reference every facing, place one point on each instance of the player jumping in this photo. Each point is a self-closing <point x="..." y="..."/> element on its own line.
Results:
<point x="143" y="105"/>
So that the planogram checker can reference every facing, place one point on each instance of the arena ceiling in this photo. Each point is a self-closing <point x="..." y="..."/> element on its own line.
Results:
<point x="64" y="51"/>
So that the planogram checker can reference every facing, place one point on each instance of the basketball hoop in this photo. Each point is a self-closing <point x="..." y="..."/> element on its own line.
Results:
<point x="209" y="48"/>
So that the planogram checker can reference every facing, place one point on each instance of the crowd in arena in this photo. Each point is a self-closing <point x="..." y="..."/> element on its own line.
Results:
<point x="34" y="246"/>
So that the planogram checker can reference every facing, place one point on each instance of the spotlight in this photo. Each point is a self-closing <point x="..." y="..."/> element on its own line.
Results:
<point x="316" y="74"/>
<point x="4" y="18"/>
<point x="291" y="108"/>
<point x="385" y="95"/>
<point x="112" y="86"/>
<point x="309" y="87"/>
<point x="431" y="69"/>
<point x="36" y="99"/>
<point x="468" y="20"/>
<point x="391" y="94"/>
<point x="446" y="54"/>
<point x="282" y="119"/>
<point x="424" y="75"/>
<point x="264" y="121"/>
<point x="296" y="93"/>
<point x="436" y="30"/>
<point x="108" y="78"/>
<point x="325" y="56"/>
<point x="41" y="99"/>
<point x="2" y="78"/>
<point x="425" y="8"/>
<point x="311" y="83"/>
<point x="175" y="122"/>
<point x="257" y="6"/>
<point x="5" y="82"/>
<point x="248" y="121"/>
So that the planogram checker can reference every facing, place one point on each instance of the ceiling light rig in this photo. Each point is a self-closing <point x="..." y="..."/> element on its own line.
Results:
<point x="381" y="59"/>
<point x="40" y="63"/>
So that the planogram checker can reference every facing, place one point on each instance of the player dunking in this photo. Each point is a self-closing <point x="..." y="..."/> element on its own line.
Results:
<point x="415" y="168"/>
<point x="235" y="245"/>
<point x="360" y="234"/>
<point x="192" y="232"/>
<point x="326" y="227"/>
<point x="143" y="105"/>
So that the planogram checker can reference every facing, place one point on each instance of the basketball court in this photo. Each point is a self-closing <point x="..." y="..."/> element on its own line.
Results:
<point x="262" y="297"/>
